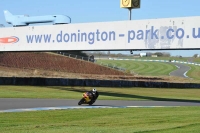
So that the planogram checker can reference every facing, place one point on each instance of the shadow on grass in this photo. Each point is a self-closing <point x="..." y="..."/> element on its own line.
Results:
<point x="121" y="95"/>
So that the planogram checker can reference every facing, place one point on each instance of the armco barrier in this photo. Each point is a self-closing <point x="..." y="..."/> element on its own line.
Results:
<point x="32" y="81"/>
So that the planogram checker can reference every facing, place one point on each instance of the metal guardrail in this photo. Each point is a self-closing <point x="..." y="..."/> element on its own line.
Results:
<point x="74" y="56"/>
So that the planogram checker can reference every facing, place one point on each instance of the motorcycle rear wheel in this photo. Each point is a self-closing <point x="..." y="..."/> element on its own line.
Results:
<point x="81" y="101"/>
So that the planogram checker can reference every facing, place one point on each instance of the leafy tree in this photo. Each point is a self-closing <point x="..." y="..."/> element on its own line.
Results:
<point x="159" y="54"/>
<point x="195" y="55"/>
<point x="166" y="54"/>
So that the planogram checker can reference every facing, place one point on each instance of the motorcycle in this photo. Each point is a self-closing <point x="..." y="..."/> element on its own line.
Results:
<point x="86" y="99"/>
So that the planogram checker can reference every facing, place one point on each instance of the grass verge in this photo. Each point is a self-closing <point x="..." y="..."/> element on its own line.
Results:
<point x="129" y="120"/>
<point x="134" y="93"/>
<point x="194" y="72"/>
<point x="151" y="68"/>
<point x="142" y="68"/>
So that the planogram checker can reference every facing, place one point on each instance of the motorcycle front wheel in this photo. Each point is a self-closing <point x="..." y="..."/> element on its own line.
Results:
<point x="81" y="101"/>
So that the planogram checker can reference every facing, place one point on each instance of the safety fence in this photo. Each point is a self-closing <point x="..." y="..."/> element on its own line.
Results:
<point x="91" y="83"/>
<point x="75" y="56"/>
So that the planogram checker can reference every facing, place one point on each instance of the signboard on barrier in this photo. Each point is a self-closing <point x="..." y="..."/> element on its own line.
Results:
<point x="153" y="34"/>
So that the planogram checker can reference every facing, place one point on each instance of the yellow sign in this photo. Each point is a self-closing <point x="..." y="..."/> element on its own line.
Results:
<point x="130" y="3"/>
<point x="125" y="3"/>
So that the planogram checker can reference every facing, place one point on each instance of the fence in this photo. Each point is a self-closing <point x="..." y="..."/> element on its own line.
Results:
<point x="75" y="56"/>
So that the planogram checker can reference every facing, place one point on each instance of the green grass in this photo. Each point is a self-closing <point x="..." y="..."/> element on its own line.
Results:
<point x="134" y="93"/>
<point x="156" y="58"/>
<point x="194" y="72"/>
<point x="197" y="60"/>
<point x="126" y="120"/>
<point x="151" y="68"/>
<point x="165" y="58"/>
<point x="142" y="68"/>
<point x="129" y="120"/>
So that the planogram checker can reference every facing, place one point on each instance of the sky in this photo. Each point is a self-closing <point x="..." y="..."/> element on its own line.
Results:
<point x="85" y="11"/>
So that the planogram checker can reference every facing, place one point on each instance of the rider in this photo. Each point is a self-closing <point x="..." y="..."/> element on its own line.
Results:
<point x="95" y="94"/>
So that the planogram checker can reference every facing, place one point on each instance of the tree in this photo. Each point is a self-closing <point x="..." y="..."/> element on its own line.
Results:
<point x="159" y="54"/>
<point x="108" y="53"/>
<point x="99" y="54"/>
<point x="119" y="55"/>
<point x="195" y="55"/>
<point x="149" y="54"/>
<point x="166" y="54"/>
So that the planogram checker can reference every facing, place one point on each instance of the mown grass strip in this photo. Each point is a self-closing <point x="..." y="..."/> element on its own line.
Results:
<point x="196" y="60"/>
<point x="144" y="68"/>
<point x="62" y="92"/>
<point x="158" y="69"/>
<point x="154" y="68"/>
<point x="134" y="66"/>
<point x="194" y="72"/>
<point x="164" y="58"/>
<point x="134" y="120"/>
<point x="151" y="67"/>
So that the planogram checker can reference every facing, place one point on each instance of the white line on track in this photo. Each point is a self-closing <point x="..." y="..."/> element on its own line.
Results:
<point x="185" y="74"/>
<point x="76" y="107"/>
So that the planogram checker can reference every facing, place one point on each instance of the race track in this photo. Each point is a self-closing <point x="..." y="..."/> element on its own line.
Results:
<point x="20" y="105"/>
<point x="181" y="71"/>
<point x="17" y="105"/>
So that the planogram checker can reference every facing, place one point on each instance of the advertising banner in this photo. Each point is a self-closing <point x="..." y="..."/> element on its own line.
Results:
<point x="153" y="34"/>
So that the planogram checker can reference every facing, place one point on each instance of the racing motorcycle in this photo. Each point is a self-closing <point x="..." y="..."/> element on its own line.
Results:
<point x="86" y="99"/>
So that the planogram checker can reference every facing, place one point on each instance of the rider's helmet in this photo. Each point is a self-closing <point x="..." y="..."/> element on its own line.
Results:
<point x="94" y="90"/>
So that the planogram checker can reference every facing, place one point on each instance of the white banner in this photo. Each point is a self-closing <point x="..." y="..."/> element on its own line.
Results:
<point x="154" y="34"/>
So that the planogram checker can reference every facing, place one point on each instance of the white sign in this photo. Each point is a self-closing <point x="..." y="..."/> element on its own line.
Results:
<point x="154" y="34"/>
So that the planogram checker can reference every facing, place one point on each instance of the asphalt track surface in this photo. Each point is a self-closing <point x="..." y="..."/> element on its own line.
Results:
<point x="20" y="103"/>
<point x="15" y="105"/>
<point x="181" y="71"/>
